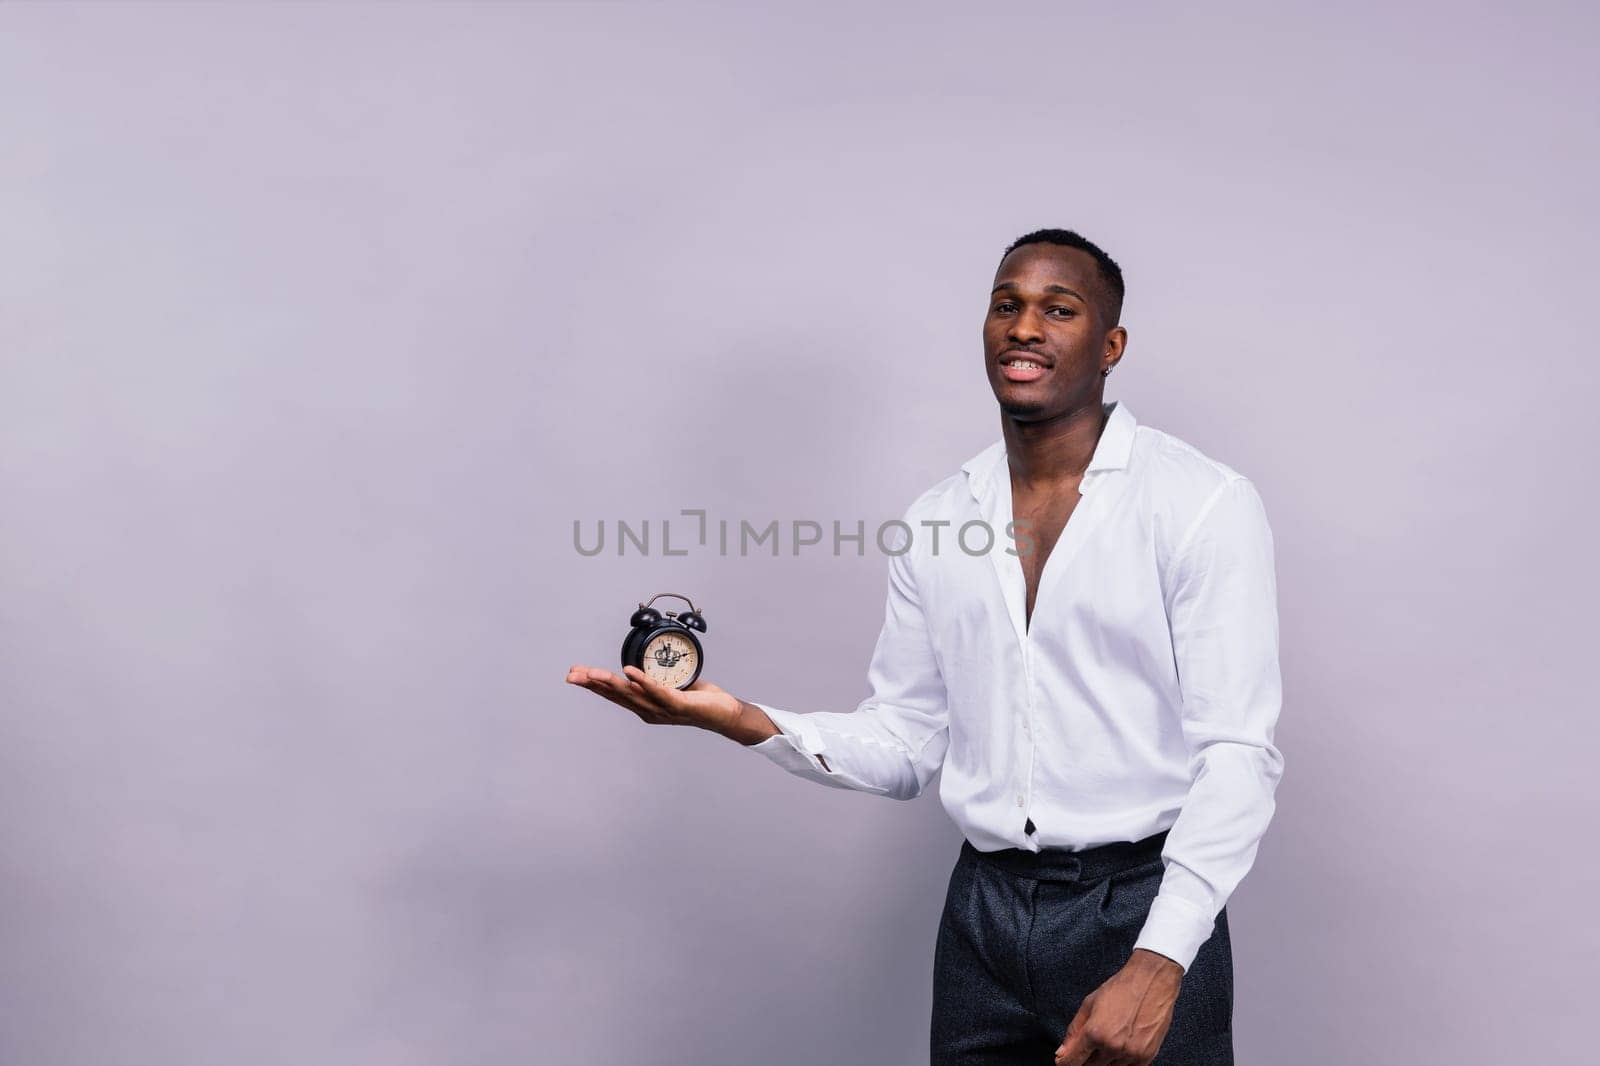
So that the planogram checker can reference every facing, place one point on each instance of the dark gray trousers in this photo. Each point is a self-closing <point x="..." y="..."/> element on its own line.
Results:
<point x="1025" y="936"/>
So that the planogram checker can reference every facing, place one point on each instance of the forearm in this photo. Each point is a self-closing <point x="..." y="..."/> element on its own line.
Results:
<point x="1212" y="845"/>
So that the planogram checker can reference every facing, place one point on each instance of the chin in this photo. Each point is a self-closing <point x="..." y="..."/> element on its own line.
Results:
<point x="1022" y="411"/>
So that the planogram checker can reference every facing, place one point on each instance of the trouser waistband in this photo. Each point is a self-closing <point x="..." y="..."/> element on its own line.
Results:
<point x="1059" y="864"/>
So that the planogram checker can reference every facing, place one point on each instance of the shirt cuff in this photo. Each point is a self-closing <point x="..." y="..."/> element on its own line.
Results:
<point x="781" y="749"/>
<point x="1175" y="928"/>
<point x="797" y="739"/>
<point x="798" y="748"/>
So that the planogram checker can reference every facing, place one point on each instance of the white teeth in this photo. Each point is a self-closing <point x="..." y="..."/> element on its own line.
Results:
<point x="1022" y="364"/>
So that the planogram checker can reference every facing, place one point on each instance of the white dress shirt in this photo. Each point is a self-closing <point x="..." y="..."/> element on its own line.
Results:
<point x="1141" y="698"/>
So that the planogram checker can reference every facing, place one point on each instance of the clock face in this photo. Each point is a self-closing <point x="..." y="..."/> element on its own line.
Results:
<point x="669" y="659"/>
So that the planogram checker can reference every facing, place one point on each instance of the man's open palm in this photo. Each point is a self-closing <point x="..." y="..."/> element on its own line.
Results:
<point x="702" y="704"/>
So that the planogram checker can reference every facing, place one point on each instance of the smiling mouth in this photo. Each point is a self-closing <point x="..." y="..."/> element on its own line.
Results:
<point x="1017" y="366"/>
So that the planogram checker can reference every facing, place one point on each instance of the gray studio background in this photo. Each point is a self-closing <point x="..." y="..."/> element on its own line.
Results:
<point x="320" y="325"/>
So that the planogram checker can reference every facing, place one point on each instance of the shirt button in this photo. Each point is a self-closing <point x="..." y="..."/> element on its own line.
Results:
<point x="1019" y="799"/>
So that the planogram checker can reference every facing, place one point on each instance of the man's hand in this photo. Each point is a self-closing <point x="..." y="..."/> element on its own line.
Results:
<point x="702" y="704"/>
<point x="1123" y="1022"/>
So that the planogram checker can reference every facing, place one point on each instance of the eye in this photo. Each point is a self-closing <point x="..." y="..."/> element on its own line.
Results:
<point x="1066" y="312"/>
<point x="1002" y="307"/>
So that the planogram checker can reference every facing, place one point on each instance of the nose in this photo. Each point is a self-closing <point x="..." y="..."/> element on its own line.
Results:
<point x="1026" y="328"/>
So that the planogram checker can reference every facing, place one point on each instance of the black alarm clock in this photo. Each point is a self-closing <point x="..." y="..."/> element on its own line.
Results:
<point x="664" y="645"/>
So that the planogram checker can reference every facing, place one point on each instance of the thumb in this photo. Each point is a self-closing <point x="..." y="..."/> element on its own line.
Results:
<point x="645" y="681"/>
<point x="1074" y="1049"/>
<point x="669" y="695"/>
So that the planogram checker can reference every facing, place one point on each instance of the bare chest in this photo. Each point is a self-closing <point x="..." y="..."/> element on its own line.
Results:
<point x="1041" y="517"/>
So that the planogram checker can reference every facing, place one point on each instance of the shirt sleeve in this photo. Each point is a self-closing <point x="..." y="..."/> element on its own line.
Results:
<point x="1222" y="606"/>
<point x="895" y="740"/>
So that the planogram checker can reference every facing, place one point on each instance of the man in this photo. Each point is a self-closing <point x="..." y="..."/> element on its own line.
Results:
<point x="1102" y="699"/>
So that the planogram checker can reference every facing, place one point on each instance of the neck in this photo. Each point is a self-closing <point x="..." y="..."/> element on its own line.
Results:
<point x="1055" y="450"/>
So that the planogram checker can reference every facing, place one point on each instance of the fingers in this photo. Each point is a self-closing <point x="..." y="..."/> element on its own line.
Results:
<point x="633" y="673"/>
<point x="592" y="676"/>
<point x="1075" y="1049"/>
<point x="1075" y="1052"/>
<point x="1078" y="1050"/>
<point x="652" y="689"/>
<point x="618" y="690"/>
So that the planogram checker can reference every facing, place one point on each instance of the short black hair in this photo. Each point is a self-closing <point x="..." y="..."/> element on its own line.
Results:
<point x="1110" y="273"/>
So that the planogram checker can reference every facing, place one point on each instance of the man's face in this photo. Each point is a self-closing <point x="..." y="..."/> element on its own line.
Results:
<point x="1043" y="338"/>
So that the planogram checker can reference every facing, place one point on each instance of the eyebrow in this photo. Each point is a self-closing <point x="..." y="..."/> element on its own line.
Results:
<point x="1047" y="288"/>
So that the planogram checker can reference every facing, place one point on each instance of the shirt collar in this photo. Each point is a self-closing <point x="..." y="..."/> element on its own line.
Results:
<point x="1113" y="451"/>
